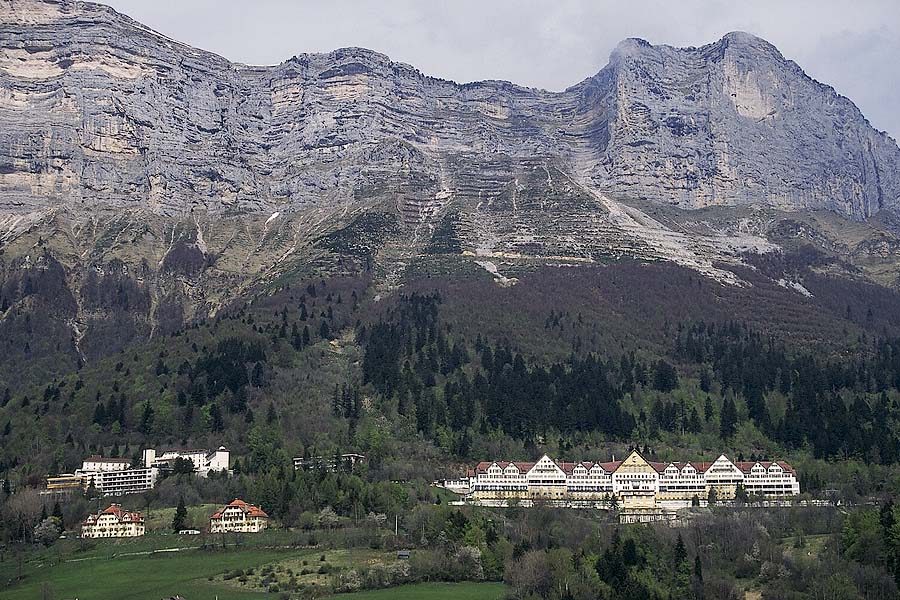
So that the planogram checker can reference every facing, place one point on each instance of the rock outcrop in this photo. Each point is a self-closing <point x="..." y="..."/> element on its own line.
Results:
<point x="95" y="108"/>
<point x="145" y="184"/>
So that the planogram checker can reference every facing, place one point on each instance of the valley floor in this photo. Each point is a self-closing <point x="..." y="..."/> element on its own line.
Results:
<point x="165" y="565"/>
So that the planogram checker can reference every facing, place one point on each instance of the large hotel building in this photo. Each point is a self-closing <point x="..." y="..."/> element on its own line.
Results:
<point x="633" y="482"/>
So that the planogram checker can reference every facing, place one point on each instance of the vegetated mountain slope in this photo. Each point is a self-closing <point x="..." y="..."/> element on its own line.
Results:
<point x="325" y="364"/>
<point x="145" y="184"/>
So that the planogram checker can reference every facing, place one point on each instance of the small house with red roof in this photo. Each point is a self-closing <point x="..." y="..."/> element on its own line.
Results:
<point x="114" y="522"/>
<point x="239" y="517"/>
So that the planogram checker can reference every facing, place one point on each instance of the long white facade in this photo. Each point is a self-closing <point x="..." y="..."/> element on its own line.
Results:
<point x="120" y="483"/>
<point x="633" y="480"/>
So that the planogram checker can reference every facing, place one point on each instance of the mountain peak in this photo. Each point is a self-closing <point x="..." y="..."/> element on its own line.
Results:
<point x="749" y="43"/>
<point x="629" y="47"/>
<point x="742" y="37"/>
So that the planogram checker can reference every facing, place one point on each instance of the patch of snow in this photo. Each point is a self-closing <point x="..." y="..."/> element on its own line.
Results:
<point x="796" y="286"/>
<point x="201" y="243"/>
<point x="498" y="277"/>
<point x="274" y="216"/>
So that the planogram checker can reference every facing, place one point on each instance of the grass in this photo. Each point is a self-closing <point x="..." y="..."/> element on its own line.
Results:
<point x="160" y="519"/>
<point x="140" y="577"/>
<point x="134" y="569"/>
<point x="431" y="591"/>
<point x="308" y="569"/>
<point x="813" y="545"/>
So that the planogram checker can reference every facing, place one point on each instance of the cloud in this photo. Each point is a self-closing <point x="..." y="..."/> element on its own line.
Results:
<point x="850" y="45"/>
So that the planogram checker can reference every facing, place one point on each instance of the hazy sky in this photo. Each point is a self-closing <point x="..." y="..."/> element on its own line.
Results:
<point x="853" y="45"/>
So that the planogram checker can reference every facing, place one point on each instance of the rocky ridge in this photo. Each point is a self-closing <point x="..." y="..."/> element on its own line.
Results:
<point x="147" y="183"/>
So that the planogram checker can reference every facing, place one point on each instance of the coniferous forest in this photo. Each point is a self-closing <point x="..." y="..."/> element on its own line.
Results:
<point x="424" y="384"/>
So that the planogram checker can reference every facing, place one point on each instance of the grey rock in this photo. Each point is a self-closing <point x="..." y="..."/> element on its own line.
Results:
<point x="97" y="109"/>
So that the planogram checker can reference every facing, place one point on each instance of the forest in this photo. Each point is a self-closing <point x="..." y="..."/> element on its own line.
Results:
<point x="321" y="367"/>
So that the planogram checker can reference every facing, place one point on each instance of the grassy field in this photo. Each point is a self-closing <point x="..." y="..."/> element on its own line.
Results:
<point x="431" y="591"/>
<point x="139" y="577"/>
<point x="150" y="567"/>
<point x="158" y="566"/>
<point x="308" y="569"/>
<point x="160" y="519"/>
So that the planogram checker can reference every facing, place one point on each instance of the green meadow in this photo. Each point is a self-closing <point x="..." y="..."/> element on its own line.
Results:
<point x="196" y="567"/>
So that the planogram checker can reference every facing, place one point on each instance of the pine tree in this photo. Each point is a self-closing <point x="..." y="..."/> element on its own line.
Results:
<point x="698" y="568"/>
<point x="705" y="380"/>
<point x="100" y="414"/>
<point x="57" y="511"/>
<point x="728" y="419"/>
<point x="336" y="408"/>
<point x="680" y="552"/>
<point x="216" y="423"/>
<point x="146" y="418"/>
<point x="180" y="517"/>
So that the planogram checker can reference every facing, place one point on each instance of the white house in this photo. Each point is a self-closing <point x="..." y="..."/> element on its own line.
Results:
<point x="114" y="522"/>
<point x="204" y="461"/>
<point x="239" y="517"/>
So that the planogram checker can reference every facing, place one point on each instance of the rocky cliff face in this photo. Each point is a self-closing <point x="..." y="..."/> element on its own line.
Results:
<point x="735" y="123"/>
<point x="144" y="183"/>
<point x="96" y="108"/>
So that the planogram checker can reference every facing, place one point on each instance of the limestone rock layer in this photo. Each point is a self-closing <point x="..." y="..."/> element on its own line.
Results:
<point x="97" y="109"/>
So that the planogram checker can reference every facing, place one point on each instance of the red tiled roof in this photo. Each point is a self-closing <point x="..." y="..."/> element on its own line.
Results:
<point x="248" y="509"/>
<point x="523" y="467"/>
<point x="746" y="466"/>
<point x="609" y="467"/>
<point x="122" y="515"/>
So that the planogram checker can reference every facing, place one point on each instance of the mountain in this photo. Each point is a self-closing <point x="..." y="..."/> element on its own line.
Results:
<point x="100" y="109"/>
<point x="145" y="184"/>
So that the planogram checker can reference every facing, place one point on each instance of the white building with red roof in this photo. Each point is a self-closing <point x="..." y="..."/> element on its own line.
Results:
<point x="114" y="522"/>
<point x="239" y="517"/>
<point x="633" y="482"/>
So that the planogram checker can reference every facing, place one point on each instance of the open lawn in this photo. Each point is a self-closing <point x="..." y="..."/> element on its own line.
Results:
<point x="137" y="568"/>
<point x="160" y="519"/>
<point x="197" y="567"/>
<point x="431" y="591"/>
